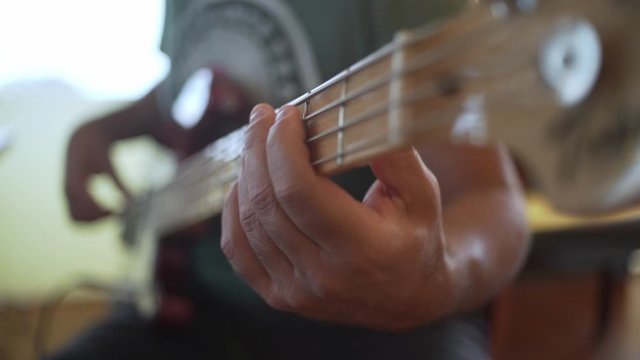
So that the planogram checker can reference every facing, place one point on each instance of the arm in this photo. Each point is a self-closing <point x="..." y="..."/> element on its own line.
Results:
<point x="406" y="255"/>
<point x="89" y="147"/>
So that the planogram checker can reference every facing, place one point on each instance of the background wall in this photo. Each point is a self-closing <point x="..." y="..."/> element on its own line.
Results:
<point x="61" y="63"/>
<point x="40" y="248"/>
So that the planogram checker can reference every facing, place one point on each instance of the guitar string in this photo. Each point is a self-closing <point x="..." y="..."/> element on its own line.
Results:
<point x="425" y="92"/>
<point x="426" y="59"/>
<point x="417" y="96"/>
<point x="217" y="188"/>
<point x="370" y="144"/>
<point x="416" y="65"/>
<point x="385" y="106"/>
<point x="175" y="211"/>
<point x="432" y="125"/>
<point x="423" y="60"/>
<point x="420" y="34"/>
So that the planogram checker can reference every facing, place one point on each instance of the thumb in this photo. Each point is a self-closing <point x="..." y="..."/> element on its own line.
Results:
<point x="407" y="179"/>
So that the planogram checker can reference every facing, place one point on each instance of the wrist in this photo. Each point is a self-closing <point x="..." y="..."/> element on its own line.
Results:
<point x="103" y="129"/>
<point x="439" y="295"/>
<point x="435" y="297"/>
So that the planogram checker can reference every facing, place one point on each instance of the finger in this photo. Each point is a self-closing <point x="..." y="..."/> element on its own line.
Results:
<point x="267" y="252"/>
<point x="408" y="182"/>
<point x="81" y="205"/>
<point x="236" y="248"/>
<point x="317" y="206"/>
<point x="275" y="223"/>
<point x="116" y="180"/>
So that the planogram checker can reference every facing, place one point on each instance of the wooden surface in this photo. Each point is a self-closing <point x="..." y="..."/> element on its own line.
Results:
<point x="18" y="324"/>
<point x="578" y="295"/>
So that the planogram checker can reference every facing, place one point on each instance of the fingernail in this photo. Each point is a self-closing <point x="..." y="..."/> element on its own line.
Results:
<point x="283" y="112"/>
<point x="257" y="113"/>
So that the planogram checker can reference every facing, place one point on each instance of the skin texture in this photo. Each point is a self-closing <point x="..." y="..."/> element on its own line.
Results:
<point x="409" y="253"/>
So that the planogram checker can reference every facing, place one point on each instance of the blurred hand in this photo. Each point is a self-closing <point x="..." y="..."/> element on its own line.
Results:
<point x="306" y="246"/>
<point x="88" y="155"/>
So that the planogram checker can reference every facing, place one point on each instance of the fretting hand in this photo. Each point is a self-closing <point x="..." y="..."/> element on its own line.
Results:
<point x="306" y="246"/>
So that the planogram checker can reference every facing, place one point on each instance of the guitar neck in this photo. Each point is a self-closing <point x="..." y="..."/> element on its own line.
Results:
<point x="426" y="84"/>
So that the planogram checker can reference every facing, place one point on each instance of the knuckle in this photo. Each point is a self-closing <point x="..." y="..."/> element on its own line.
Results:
<point x="326" y="286"/>
<point x="262" y="200"/>
<point x="291" y="196"/>
<point x="251" y="137"/>
<point x="249" y="220"/>
<point x="262" y="248"/>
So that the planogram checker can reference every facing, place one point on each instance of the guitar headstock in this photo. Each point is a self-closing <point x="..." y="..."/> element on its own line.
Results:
<point x="558" y="81"/>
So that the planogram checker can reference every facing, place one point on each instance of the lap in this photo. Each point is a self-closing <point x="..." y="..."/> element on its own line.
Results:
<point x="126" y="335"/>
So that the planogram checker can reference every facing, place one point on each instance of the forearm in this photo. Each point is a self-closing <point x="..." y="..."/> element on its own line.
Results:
<point x="139" y="118"/>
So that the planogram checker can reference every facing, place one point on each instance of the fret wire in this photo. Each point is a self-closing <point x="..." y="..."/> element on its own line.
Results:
<point x="420" y="62"/>
<point x="370" y="113"/>
<point x="424" y="92"/>
<point x="346" y="123"/>
<point x="378" y="140"/>
<point x="354" y="69"/>
<point x="305" y="112"/>
<point x="419" y="95"/>
<point x="380" y="109"/>
<point x="426" y="58"/>
<point x="367" y="144"/>
<point x="340" y="142"/>
<point x="419" y="34"/>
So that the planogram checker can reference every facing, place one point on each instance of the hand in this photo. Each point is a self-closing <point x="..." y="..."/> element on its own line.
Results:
<point x="87" y="155"/>
<point x="306" y="246"/>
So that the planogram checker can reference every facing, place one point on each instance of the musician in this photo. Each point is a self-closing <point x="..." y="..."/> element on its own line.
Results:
<point x="394" y="260"/>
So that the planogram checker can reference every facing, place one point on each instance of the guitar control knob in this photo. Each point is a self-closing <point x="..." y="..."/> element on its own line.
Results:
<point x="570" y="60"/>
